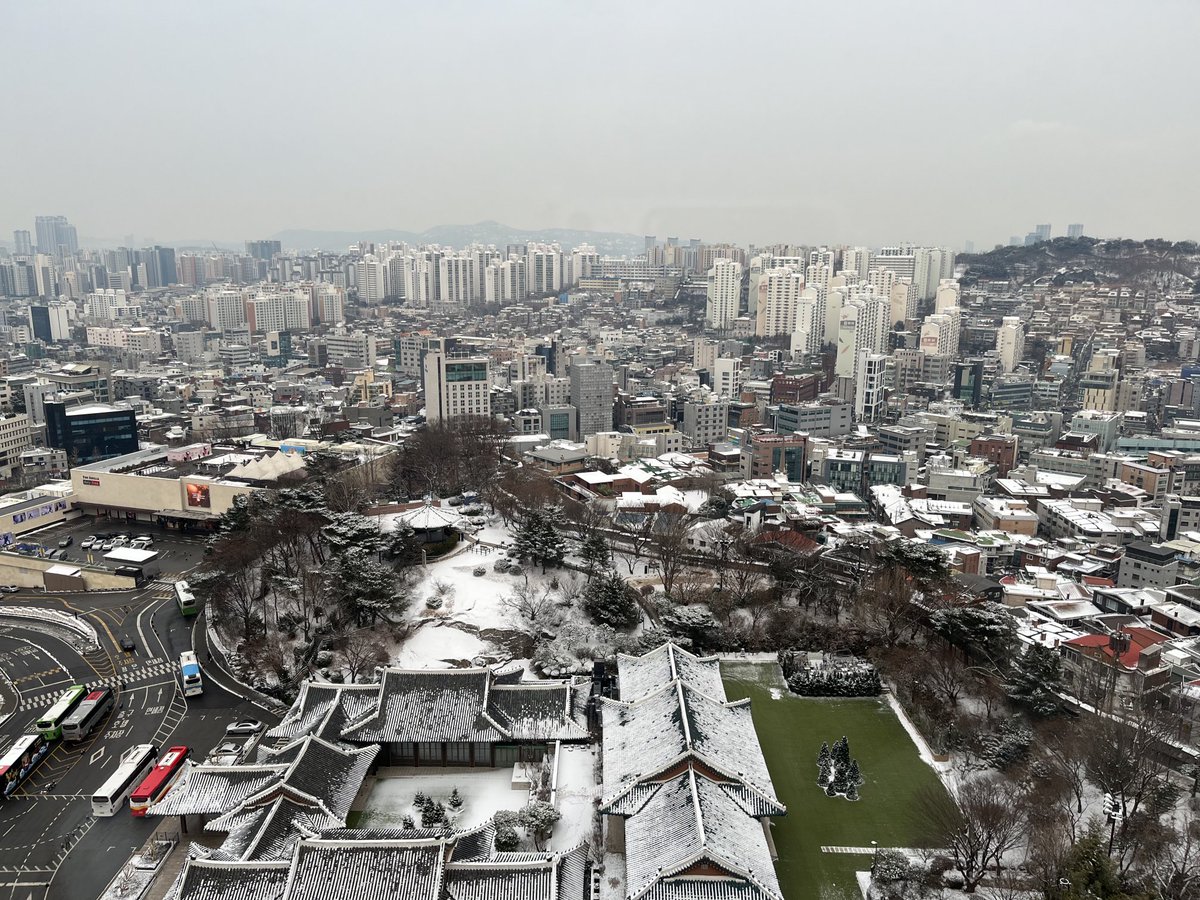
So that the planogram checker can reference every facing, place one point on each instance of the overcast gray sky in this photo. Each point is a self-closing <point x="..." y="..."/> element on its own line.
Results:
<point x="836" y="121"/>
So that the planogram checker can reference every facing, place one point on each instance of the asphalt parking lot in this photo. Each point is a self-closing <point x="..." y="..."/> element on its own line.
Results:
<point x="178" y="552"/>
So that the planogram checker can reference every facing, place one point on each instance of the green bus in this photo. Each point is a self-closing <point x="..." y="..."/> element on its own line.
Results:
<point x="186" y="599"/>
<point x="49" y="726"/>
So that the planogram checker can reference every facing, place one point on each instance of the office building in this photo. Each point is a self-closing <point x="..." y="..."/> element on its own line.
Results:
<point x="49" y="323"/>
<point x="458" y="387"/>
<point x="592" y="397"/>
<point x="91" y="432"/>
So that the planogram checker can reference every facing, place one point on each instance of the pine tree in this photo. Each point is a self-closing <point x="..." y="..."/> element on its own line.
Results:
<point x="456" y="800"/>
<point x="551" y="548"/>
<point x="1035" y="680"/>
<point x="823" y="755"/>
<point x="854" y="775"/>
<point x="525" y="542"/>
<point x="407" y="823"/>
<point x="841" y="753"/>
<point x="824" y="773"/>
<point x="595" y="553"/>
<point x="852" y="792"/>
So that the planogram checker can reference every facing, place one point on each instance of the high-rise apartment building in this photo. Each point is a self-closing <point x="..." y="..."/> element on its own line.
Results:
<point x="265" y="250"/>
<point x="724" y="293"/>
<point x="778" y="295"/>
<point x="1075" y="230"/>
<point x="55" y="235"/>
<point x="1010" y="342"/>
<point x="22" y="243"/>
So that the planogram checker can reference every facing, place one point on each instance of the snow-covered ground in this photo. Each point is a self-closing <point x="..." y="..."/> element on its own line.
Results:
<point x="484" y="792"/>
<point x="436" y="645"/>
<point x="577" y="793"/>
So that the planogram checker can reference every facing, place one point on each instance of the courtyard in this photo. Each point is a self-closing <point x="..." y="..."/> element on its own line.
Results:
<point x="790" y="729"/>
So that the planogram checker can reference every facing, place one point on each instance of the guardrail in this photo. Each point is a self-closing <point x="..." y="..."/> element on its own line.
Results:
<point x="59" y="619"/>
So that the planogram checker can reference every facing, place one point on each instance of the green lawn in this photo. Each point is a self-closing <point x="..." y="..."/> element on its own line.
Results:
<point x="791" y="729"/>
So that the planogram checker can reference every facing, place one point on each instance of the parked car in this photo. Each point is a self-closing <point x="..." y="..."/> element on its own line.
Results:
<point x="88" y="542"/>
<point x="145" y="538"/>
<point x="108" y="545"/>
<point x="9" y="588"/>
<point x="245" y="726"/>
<point x="67" y="541"/>
<point x="139" y="544"/>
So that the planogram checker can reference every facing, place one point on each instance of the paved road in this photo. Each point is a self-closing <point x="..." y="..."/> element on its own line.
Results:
<point x="50" y="844"/>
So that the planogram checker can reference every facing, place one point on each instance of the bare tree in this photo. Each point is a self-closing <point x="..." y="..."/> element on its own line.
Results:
<point x="980" y="822"/>
<point x="360" y="651"/>
<point x="637" y="531"/>
<point x="668" y="546"/>
<point x="535" y="607"/>
<point x="1175" y="872"/>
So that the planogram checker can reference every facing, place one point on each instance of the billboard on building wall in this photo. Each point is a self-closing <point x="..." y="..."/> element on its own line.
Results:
<point x="198" y="496"/>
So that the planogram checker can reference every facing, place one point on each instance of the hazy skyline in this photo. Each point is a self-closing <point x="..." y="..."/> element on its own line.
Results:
<point x="853" y="122"/>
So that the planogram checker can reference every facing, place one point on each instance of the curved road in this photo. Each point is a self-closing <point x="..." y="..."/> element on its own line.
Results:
<point x="50" y="844"/>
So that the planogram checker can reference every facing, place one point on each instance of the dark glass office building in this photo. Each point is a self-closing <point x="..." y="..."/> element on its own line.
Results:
<point x="90" y="433"/>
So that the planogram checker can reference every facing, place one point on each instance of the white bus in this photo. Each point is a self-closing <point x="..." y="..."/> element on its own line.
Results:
<point x="88" y="714"/>
<point x="189" y="674"/>
<point x="135" y="765"/>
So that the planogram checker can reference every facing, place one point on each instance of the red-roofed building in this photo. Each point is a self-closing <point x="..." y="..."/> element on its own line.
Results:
<point x="1101" y="668"/>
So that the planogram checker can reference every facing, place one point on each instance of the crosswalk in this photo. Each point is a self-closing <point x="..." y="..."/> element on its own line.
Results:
<point x="143" y="670"/>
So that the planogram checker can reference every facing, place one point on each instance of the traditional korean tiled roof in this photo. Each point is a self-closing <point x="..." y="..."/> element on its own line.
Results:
<point x="217" y="880"/>
<point x="324" y="709"/>
<point x="679" y="724"/>
<point x="544" y="711"/>
<point x="688" y="827"/>
<point x="354" y="870"/>
<point x="428" y="705"/>
<point x="367" y="869"/>
<point x="473" y="705"/>
<point x="638" y="676"/>
<point x="209" y="790"/>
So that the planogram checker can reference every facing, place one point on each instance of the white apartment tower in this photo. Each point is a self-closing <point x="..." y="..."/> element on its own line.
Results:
<point x="775" y="307"/>
<point x="1010" y="342"/>
<point x="724" y="292"/>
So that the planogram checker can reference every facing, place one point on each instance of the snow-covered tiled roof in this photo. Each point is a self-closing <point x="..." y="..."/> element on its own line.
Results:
<point x="638" y="676"/>
<point x="475" y="705"/>
<point x="347" y="870"/>
<point x="415" y="868"/>
<point x="428" y="705"/>
<point x="691" y="822"/>
<point x="643" y="740"/>
<point x="209" y="790"/>
<point x="216" y="880"/>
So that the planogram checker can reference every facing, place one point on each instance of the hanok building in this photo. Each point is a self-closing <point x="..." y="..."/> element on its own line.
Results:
<point x="445" y="717"/>
<point x="687" y="795"/>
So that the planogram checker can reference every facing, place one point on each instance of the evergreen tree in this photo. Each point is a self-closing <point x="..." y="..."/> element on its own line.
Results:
<point x="525" y="539"/>
<point x="824" y="773"/>
<point x="855" y="775"/>
<point x="407" y="823"/>
<point x="841" y="753"/>
<point x="823" y="755"/>
<point x="595" y="554"/>
<point x="551" y="547"/>
<point x="1035" y="679"/>
<point x="456" y="800"/>
<point x="610" y="601"/>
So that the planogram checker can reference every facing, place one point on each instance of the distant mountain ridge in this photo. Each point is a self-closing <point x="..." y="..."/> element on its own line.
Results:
<point x="606" y="242"/>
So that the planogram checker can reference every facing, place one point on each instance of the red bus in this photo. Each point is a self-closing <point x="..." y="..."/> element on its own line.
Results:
<point x="160" y="780"/>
